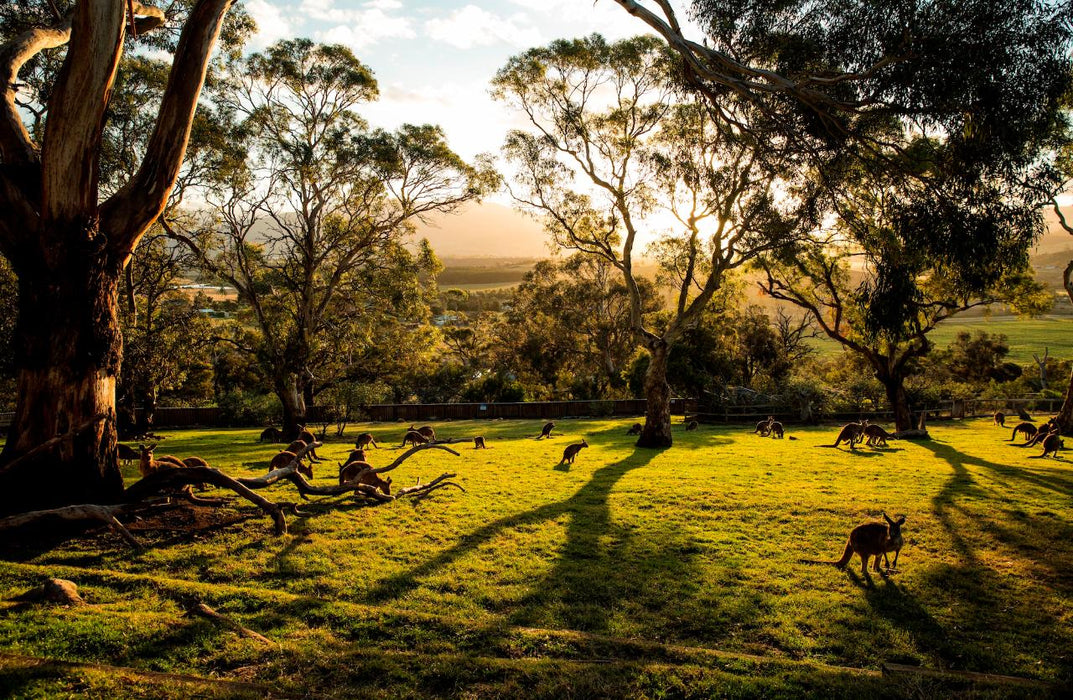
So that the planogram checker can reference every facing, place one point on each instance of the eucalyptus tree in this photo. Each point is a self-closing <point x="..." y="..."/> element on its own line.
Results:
<point x="66" y="240"/>
<point x="871" y="283"/>
<point x="317" y="206"/>
<point x="610" y="140"/>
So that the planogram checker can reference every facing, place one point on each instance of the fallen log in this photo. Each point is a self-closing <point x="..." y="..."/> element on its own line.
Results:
<point x="105" y="514"/>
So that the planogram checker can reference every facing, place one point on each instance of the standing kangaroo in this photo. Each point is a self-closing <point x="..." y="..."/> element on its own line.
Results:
<point x="571" y="451"/>
<point x="413" y="437"/>
<point x="764" y="426"/>
<point x="1000" y="419"/>
<point x="877" y="437"/>
<point x="775" y="429"/>
<point x="870" y="540"/>
<point x="1027" y="429"/>
<point x="851" y="433"/>
<point x="1051" y="444"/>
<point x="365" y="440"/>
<point x="693" y="425"/>
<point x="427" y="431"/>
<point x="545" y="432"/>
<point x="478" y="443"/>
<point x="309" y="438"/>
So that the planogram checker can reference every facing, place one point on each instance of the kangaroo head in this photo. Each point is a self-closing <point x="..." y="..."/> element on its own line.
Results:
<point x="583" y="443"/>
<point x="894" y="525"/>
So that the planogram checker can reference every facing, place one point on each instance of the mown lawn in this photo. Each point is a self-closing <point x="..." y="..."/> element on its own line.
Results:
<point x="616" y="577"/>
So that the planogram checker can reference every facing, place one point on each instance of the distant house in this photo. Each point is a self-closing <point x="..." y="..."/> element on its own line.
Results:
<point x="447" y="319"/>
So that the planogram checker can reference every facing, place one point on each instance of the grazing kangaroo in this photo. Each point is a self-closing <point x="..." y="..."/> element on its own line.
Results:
<point x="775" y="429"/>
<point x="478" y="443"/>
<point x="1051" y="444"/>
<point x="271" y="435"/>
<point x="635" y="429"/>
<point x="693" y="425"/>
<point x="1023" y="414"/>
<point x="877" y="437"/>
<point x="355" y="469"/>
<point x="1027" y="429"/>
<point x="425" y="430"/>
<point x="571" y="451"/>
<point x="365" y="440"/>
<point x="871" y="540"/>
<point x="295" y="446"/>
<point x="357" y="455"/>
<point x="284" y="458"/>
<point x="545" y="432"/>
<point x="1000" y="419"/>
<point x="309" y="438"/>
<point x="414" y="438"/>
<point x="851" y="433"/>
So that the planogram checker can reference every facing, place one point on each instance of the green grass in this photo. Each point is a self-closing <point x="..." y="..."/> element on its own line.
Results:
<point x="1025" y="336"/>
<point x="616" y="577"/>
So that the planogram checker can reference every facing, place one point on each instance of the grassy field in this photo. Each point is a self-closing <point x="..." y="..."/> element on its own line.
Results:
<point x="634" y="573"/>
<point x="1025" y="336"/>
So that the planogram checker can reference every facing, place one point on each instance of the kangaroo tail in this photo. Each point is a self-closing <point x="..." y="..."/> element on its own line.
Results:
<point x="840" y="563"/>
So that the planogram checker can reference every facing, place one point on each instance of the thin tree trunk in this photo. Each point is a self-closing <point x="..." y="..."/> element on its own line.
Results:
<point x="657" y="428"/>
<point x="1065" y="414"/>
<point x="68" y="349"/>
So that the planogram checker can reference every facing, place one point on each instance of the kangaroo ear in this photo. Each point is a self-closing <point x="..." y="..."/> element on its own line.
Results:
<point x="901" y="520"/>
<point x="887" y="518"/>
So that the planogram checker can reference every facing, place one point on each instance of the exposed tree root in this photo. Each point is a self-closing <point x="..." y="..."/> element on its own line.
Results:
<point x="201" y="610"/>
<point x="105" y="514"/>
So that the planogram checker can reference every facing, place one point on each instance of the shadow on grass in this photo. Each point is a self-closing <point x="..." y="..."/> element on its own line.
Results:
<point x="605" y="568"/>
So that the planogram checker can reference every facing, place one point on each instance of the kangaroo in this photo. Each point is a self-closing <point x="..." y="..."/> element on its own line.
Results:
<point x="284" y="458"/>
<point x="571" y="451"/>
<point x="427" y="431"/>
<point x="270" y="435"/>
<point x="148" y="464"/>
<point x="776" y="429"/>
<point x="1051" y="444"/>
<point x="478" y="443"/>
<point x="296" y="446"/>
<point x="414" y="438"/>
<point x="195" y="462"/>
<point x="635" y="429"/>
<point x="693" y="425"/>
<point x="1028" y="429"/>
<point x="1023" y="414"/>
<point x="764" y="426"/>
<point x="309" y="438"/>
<point x="877" y="437"/>
<point x="365" y="440"/>
<point x="357" y="455"/>
<point x="851" y="433"/>
<point x="1000" y="419"/>
<point x="356" y="469"/>
<point x="1041" y="435"/>
<point x="871" y="540"/>
<point x="545" y="432"/>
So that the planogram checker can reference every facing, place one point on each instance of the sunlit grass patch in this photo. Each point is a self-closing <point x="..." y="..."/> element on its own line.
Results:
<point x="698" y="545"/>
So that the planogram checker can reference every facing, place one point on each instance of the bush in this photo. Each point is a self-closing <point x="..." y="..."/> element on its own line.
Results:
<point x="239" y="408"/>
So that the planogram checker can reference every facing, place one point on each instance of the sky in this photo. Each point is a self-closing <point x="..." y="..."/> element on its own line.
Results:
<point x="434" y="59"/>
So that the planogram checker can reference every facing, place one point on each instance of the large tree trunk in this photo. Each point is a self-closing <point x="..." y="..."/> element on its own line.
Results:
<point x="294" y="405"/>
<point x="68" y="349"/>
<point x="1065" y="414"/>
<point x="657" y="428"/>
<point x="899" y="402"/>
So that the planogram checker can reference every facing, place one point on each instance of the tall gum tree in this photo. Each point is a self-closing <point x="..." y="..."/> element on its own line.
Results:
<point x="68" y="245"/>
<point x="318" y="205"/>
<point x="612" y="141"/>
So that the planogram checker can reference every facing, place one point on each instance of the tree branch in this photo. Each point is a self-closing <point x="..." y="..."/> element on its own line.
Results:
<point x="130" y="211"/>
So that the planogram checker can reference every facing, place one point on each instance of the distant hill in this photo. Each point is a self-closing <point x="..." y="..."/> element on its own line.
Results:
<point x="487" y="230"/>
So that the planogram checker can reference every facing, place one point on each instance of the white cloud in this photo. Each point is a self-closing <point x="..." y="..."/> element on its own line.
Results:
<point x="471" y="26"/>
<point x="271" y="24"/>
<point x="359" y="27"/>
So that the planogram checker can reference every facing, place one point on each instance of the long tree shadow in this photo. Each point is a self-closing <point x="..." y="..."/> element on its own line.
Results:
<point x="599" y="487"/>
